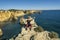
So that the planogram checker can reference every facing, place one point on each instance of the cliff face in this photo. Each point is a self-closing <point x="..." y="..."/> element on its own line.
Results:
<point x="5" y="15"/>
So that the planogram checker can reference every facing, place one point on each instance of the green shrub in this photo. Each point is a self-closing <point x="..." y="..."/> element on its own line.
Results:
<point x="38" y="29"/>
<point x="53" y="35"/>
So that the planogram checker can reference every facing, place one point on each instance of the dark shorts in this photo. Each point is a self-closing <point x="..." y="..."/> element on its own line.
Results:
<point x="28" y="25"/>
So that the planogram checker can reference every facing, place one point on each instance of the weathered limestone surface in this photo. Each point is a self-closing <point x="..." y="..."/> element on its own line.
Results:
<point x="32" y="35"/>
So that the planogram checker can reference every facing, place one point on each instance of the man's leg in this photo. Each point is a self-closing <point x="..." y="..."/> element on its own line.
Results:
<point x="26" y="27"/>
<point x="30" y="27"/>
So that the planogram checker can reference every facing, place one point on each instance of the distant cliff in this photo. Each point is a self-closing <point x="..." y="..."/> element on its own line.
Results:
<point x="6" y="14"/>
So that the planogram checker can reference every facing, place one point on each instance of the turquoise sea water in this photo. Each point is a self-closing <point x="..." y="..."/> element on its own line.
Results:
<point x="48" y="19"/>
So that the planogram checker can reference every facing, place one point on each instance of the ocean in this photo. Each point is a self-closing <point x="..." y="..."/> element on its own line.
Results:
<point x="48" y="19"/>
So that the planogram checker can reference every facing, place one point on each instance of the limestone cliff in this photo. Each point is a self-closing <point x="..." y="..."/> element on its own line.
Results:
<point x="6" y="14"/>
<point x="33" y="35"/>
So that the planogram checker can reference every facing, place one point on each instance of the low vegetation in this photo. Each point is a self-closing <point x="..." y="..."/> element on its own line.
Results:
<point x="53" y="35"/>
<point x="38" y="29"/>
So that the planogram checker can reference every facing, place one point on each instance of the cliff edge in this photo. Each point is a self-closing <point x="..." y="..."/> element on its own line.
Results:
<point x="35" y="35"/>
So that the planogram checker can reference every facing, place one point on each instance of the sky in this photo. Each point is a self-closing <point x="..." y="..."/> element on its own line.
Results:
<point x="30" y="4"/>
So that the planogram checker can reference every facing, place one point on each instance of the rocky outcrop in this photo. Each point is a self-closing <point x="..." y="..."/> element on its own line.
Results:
<point x="36" y="33"/>
<point x="31" y="11"/>
<point x="33" y="35"/>
<point x="25" y="34"/>
<point x="1" y="33"/>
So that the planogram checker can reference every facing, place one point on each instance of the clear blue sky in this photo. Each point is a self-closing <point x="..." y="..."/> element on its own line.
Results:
<point x="30" y="4"/>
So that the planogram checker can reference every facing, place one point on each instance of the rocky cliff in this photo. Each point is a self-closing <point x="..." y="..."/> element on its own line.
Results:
<point x="6" y="14"/>
<point x="33" y="35"/>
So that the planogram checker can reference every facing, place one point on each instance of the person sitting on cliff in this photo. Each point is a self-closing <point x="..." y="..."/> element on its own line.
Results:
<point x="29" y="25"/>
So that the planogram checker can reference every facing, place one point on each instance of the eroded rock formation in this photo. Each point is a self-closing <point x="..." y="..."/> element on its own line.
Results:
<point x="6" y="14"/>
<point x="33" y="35"/>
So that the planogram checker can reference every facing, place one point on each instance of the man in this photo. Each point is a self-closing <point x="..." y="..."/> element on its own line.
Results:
<point x="29" y="25"/>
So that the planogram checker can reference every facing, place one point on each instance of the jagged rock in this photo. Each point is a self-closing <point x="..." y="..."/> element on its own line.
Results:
<point x="33" y="35"/>
<point x="25" y="34"/>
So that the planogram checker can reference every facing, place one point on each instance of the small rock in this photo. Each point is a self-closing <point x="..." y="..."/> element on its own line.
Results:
<point x="1" y="33"/>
